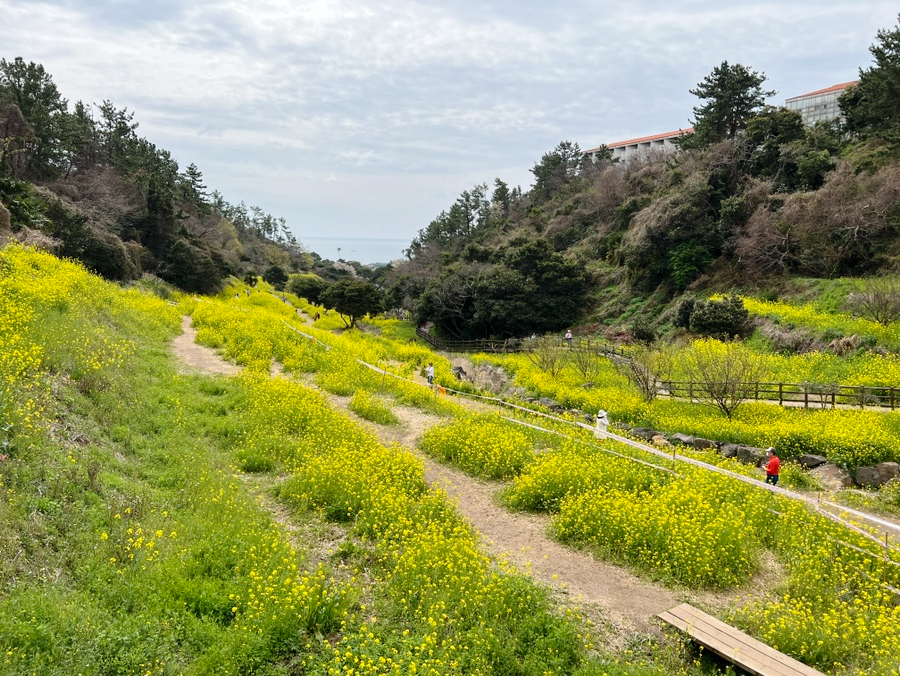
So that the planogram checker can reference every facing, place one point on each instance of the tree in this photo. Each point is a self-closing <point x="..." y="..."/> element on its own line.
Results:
<point x="879" y="301"/>
<point x="724" y="375"/>
<point x="547" y="355"/>
<point x="276" y="276"/>
<point x="556" y="168"/>
<point x="647" y="368"/>
<point x="733" y="94"/>
<point x="352" y="299"/>
<point x="308" y="286"/>
<point x="722" y="318"/>
<point x="871" y="105"/>
<point x="29" y="87"/>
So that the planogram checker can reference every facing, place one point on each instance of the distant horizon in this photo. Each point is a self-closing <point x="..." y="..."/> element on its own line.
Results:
<point x="364" y="250"/>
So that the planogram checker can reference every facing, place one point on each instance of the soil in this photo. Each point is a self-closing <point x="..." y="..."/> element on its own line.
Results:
<point x="607" y="594"/>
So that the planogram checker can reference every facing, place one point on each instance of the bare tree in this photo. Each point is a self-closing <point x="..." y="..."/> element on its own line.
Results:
<point x="724" y="374"/>
<point x="879" y="301"/>
<point x="547" y="355"/>
<point x="589" y="362"/>
<point x="647" y="368"/>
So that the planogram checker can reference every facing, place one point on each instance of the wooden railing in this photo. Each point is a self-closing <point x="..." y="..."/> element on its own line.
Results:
<point x="807" y="395"/>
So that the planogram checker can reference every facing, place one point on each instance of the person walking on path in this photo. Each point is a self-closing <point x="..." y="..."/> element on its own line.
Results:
<point x="429" y="373"/>
<point x="568" y="337"/>
<point x="773" y="466"/>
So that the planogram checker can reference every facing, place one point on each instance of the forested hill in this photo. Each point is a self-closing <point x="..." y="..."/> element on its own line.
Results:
<point x="81" y="182"/>
<point x="752" y="198"/>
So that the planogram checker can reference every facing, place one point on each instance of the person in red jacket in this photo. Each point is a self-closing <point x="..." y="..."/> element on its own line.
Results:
<point x="773" y="466"/>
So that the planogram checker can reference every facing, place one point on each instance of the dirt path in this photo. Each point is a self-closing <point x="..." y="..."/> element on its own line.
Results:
<point x="604" y="591"/>
<point x="198" y="357"/>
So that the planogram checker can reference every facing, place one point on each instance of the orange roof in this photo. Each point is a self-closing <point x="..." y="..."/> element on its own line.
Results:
<point x="833" y="88"/>
<point x="645" y="139"/>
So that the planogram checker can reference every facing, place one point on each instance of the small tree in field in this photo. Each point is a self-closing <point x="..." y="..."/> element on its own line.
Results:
<point x="352" y="299"/>
<point x="879" y="301"/>
<point x="587" y="361"/>
<point x="547" y="355"/>
<point x="724" y="374"/>
<point x="647" y="368"/>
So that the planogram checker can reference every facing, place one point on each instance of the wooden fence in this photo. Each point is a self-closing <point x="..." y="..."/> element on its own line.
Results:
<point x="806" y="395"/>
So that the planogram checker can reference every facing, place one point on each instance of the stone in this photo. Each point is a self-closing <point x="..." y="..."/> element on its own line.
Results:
<point x="661" y="441"/>
<point x="750" y="455"/>
<point x="548" y="402"/>
<point x="703" y="444"/>
<point x="810" y="461"/>
<point x="644" y="433"/>
<point x="834" y="478"/>
<point x="459" y="372"/>
<point x="728" y="450"/>
<point x="684" y="439"/>
<point x="888" y="471"/>
<point x="868" y="476"/>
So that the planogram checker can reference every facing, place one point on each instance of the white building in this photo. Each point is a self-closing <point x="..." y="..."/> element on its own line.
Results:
<point x="622" y="150"/>
<point x="820" y="105"/>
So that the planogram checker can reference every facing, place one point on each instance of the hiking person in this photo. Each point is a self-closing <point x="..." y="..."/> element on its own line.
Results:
<point x="773" y="466"/>
<point x="568" y="338"/>
<point x="429" y="373"/>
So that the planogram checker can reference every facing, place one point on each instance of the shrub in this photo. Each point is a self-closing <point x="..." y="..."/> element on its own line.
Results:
<point x="722" y="318"/>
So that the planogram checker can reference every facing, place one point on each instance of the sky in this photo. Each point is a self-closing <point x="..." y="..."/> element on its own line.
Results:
<point x="352" y="118"/>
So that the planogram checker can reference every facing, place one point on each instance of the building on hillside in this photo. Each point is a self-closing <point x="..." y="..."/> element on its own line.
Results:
<point x="820" y="105"/>
<point x="622" y="150"/>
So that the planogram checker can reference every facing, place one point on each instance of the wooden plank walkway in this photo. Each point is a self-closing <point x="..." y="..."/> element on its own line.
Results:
<point x="734" y="645"/>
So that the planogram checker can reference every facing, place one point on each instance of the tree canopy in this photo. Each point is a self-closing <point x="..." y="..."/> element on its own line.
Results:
<point x="873" y="104"/>
<point x="353" y="299"/>
<point x="733" y="94"/>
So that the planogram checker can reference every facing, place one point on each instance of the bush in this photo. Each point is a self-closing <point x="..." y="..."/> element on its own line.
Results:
<point x="724" y="318"/>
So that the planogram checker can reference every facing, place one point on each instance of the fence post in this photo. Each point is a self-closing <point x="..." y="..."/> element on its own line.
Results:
<point x="781" y="394"/>
<point x="892" y="398"/>
<point x="805" y="397"/>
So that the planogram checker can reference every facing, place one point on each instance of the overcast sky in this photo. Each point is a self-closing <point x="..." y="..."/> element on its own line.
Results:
<point x="367" y="119"/>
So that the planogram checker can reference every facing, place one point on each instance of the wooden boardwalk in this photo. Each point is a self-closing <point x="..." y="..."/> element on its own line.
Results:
<point x="734" y="645"/>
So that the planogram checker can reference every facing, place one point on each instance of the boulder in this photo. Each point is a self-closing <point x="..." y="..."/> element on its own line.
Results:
<point x="834" y="478"/>
<point x="888" y="471"/>
<point x="728" y="450"/>
<point x="644" y="433"/>
<point x="703" y="444"/>
<point x="750" y="455"/>
<point x="684" y="439"/>
<point x="810" y="461"/>
<point x="459" y="372"/>
<point x="661" y="441"/>
<point x="868" y="476"/>
<point x="548" y="402"/>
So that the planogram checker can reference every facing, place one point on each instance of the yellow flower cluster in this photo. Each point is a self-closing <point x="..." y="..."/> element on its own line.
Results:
<point x="483" y="445"/>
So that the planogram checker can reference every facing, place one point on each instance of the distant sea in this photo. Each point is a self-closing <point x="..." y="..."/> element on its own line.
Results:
<point x="364" y="250"/>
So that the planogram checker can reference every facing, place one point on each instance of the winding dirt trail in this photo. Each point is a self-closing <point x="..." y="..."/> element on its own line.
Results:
<point x="603" y="591"/>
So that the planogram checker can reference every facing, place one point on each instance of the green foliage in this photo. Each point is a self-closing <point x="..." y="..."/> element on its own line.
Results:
<point x="556" y="168"/>
<point x="276" y="276"/>
<point x="308" y="286"/>
<point x="870" y="107"/>
<point x="353" y="299"/>
<point x="733" y="94"/>
<point x="723" y="318"/>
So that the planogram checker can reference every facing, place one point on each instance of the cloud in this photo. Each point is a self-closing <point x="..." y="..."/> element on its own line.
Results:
<point x="277" y="98"/>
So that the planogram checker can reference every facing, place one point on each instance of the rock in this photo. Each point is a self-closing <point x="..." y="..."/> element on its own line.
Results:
<point x="548" y="402"/>
<point x="888" y="471"/>
<point x="459" y="372"/>
<point x="684" y="439"/>
<point x="661" y="441"/>
<point x="703" y="444"/>
<point x="834" y="478"/>
<point x="810" y="461"/>
<point x="750" y="455"/>
<point x="878" y="475"/>
<point x="728" y="450"/>
<point x="644" y="433"/>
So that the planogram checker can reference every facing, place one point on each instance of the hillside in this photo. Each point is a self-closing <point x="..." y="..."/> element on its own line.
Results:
<point x="753" y="200"/>
<point x="157" y="519"/>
